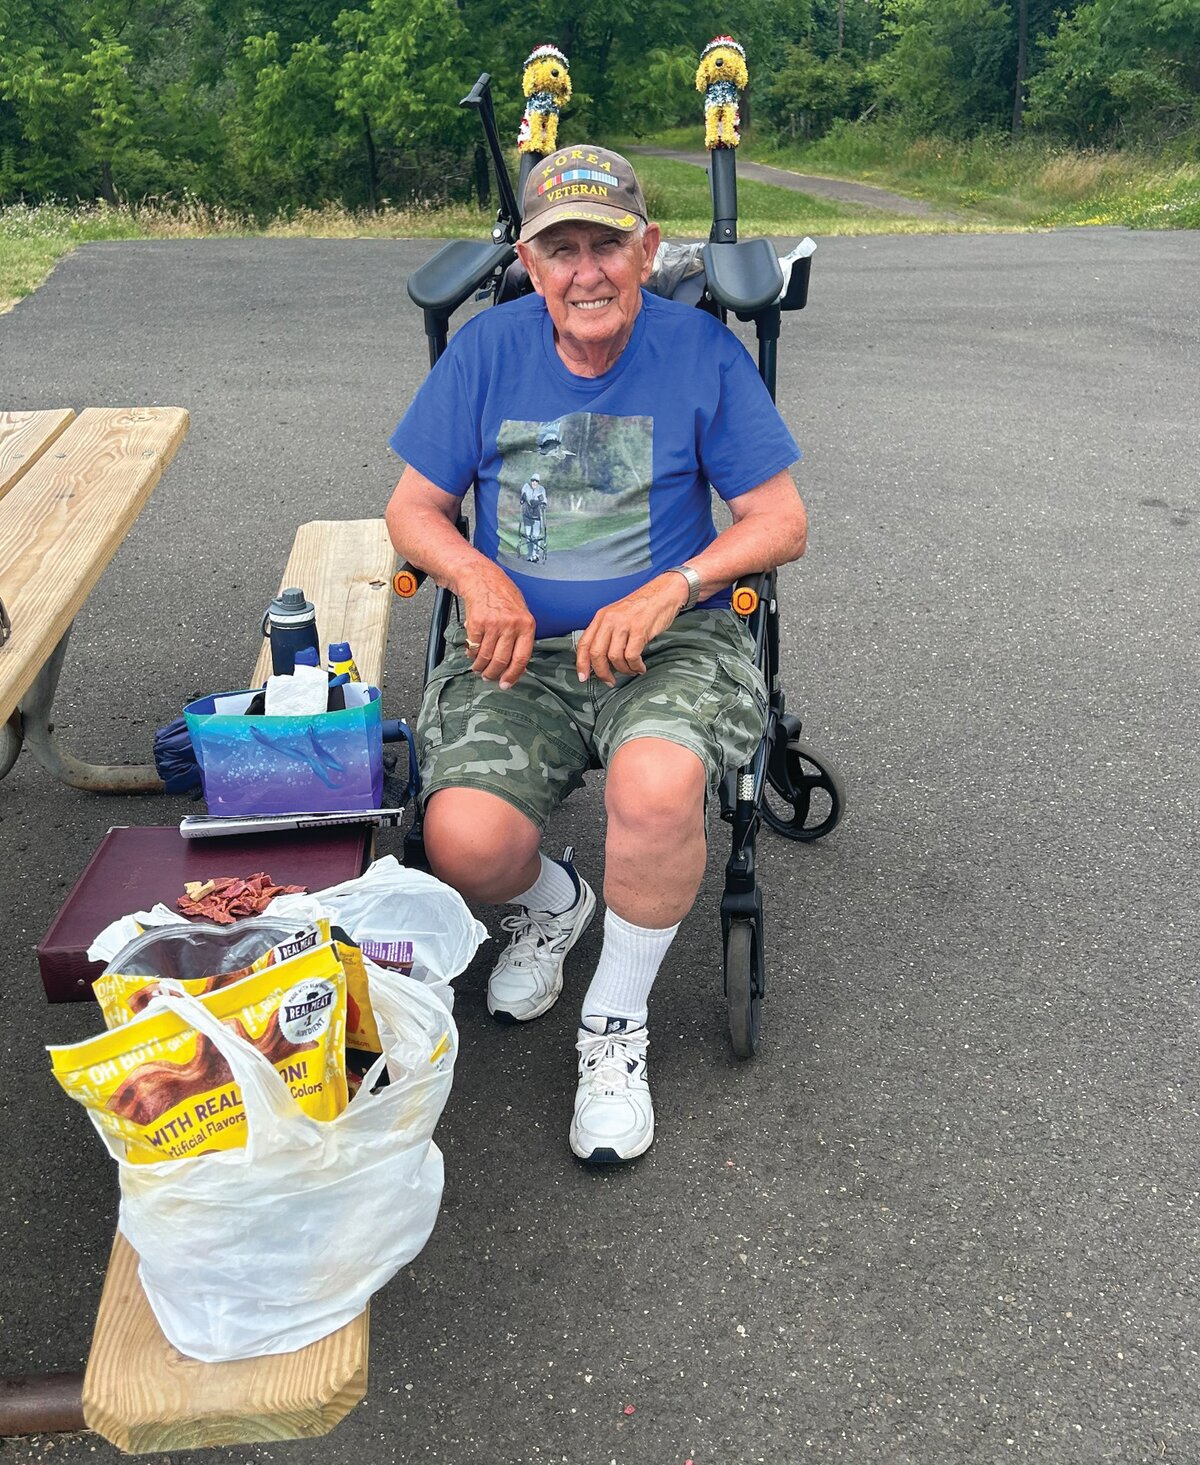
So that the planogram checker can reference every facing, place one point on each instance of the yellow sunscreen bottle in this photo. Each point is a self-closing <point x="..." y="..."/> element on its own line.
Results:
<point x="341" y="661"/>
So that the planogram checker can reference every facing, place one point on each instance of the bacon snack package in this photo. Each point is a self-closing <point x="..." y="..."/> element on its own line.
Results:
<point x="162" y="1089"/>
<point x="130" y="983"/>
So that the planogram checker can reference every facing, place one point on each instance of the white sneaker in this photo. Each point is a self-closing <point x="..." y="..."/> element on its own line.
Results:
<point x="614" y="1118"/>
<point x="528" y="978"/>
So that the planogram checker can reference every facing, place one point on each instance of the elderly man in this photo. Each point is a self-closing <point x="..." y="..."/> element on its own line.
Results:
<point x="619" y="644"/>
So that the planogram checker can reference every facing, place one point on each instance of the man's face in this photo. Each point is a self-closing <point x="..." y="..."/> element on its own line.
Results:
<point x="590" y="277"/>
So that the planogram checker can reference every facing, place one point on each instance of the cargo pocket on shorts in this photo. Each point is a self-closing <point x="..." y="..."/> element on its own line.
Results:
<point x="443" y="717"/>
<point x="742" y="717"/>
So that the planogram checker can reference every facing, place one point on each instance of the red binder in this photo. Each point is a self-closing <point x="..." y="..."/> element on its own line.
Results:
<point x="134" y="868"/>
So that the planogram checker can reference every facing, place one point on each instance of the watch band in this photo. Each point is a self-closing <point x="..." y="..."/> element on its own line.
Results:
<point x="693" y="583"/>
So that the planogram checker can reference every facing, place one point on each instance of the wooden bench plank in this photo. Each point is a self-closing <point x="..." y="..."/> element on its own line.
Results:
<point x="345" y="568"/>
<point x="143" y="1395"/>
<point x="24" y="437"/>
<point x="64" y="520"/>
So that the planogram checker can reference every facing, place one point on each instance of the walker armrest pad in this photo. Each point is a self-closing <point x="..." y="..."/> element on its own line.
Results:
<point x="457" y="270"/>
<point x="743" y="277"/>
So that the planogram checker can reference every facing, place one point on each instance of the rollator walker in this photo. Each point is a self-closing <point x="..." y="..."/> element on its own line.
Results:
<point x="785" y="785"/>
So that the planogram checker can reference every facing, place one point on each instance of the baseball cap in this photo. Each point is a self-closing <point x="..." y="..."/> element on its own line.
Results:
<point x="582" y="184"/>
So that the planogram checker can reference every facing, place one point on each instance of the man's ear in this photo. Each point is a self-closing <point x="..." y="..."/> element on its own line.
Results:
<point x="651" y="239"/>
<point x="529" y="258"/>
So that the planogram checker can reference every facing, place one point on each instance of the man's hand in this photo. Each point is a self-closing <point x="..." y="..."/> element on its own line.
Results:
<point x="421" y="519"/>
<point x="499" y="627"/>
<point x="613" y="643"/>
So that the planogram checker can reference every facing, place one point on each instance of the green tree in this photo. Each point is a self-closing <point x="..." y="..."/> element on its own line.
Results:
<point x="104" y="98"/>
<point x="947" y="66"/>
<point x="103" y="86"/>
<point x="1120" y="70"/>
<point x="809" y="92"/>
<point x="373" y="97"/>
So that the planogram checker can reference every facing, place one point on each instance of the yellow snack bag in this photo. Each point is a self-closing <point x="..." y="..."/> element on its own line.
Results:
<point x="122" y="995"/>
<point x="164" y="1090"/>
<point x="361" y="1032"/>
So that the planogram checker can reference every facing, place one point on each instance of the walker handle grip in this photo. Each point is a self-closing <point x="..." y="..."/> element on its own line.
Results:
<point x="407" y="581"/>
<point x="747" y="593"/>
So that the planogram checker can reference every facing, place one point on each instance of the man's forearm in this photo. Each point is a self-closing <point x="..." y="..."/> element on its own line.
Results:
<point x="426" y="538"/>
<point x="744" y="548"/>
<point x="500" y="630"/>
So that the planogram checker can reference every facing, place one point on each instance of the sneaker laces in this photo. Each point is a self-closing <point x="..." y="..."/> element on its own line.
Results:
<point x="610" y="1059"/>
<point x="530" y="929"/>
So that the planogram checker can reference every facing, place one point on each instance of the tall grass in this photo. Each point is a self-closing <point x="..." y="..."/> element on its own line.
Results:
<point x="1027" y="182"/>
<point x="33" y="237"/>
<point x="989" y="183"/>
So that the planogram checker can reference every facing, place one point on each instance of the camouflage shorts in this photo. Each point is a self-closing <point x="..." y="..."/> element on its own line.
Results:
<point x="532" y="744"/>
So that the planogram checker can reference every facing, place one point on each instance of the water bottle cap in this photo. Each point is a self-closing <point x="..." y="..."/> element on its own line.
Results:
<point x="339" y="650"/>
<point x="307" y="656"/>
<point x="291" y="607"/>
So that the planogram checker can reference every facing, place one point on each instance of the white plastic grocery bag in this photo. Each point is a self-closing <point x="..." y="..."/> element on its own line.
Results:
<point x="397" y="916"/>
<point x="268" y="1248"/>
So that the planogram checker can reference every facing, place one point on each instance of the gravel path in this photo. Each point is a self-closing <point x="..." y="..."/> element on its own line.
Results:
<point x="838" y="188"/>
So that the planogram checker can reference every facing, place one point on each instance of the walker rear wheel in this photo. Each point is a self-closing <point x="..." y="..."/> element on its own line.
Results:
<point x="804" y="799"/>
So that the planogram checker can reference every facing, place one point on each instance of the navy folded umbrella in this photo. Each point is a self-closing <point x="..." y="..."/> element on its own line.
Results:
<point x="175" y="758"/>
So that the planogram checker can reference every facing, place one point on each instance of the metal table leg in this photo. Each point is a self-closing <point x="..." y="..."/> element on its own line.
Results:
<point x="41" y="1404"/>
<point x="38" y="731"/>
<point x="10" y="742"/>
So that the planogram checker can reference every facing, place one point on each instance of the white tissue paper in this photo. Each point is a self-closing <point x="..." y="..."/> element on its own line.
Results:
<point x="303" y="693"/>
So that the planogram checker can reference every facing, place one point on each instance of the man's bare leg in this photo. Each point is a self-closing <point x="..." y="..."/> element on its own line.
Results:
<point x="480" y="844"/>
<point x="488" y="850"/>
<point x="656" y="848"/>
<point x="655" y="861"/>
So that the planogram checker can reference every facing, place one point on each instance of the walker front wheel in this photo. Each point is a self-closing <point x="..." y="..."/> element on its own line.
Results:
<point x="744" y="986"/>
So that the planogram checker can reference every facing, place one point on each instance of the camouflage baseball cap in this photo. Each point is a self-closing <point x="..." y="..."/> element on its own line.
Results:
<point x="583" y="184"/>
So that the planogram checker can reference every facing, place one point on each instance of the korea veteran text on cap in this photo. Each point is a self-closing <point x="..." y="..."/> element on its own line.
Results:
<point x="583" y="185"/>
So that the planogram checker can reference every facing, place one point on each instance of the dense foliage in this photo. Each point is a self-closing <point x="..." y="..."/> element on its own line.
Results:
<point x="270" y="105"/>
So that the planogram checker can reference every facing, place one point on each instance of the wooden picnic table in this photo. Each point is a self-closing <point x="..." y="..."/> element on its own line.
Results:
<point x="71" y="488"/>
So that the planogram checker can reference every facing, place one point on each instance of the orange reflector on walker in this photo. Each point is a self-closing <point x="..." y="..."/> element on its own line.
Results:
<point x="405" y="584"/>
<point x="745" y="600"/>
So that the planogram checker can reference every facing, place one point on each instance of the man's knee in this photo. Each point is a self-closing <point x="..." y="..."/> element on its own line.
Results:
<point x="655" y="787"/>
<point x="475" y="842"/>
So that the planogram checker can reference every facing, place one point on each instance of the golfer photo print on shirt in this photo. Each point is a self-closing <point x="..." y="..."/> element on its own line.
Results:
<point x="574" y="499"/>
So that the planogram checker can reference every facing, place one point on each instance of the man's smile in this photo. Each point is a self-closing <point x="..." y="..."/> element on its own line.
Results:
<point x="591" y="304"/>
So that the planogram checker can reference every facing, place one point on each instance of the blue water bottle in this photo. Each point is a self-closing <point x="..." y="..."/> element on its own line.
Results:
<point x="291" y="623"/>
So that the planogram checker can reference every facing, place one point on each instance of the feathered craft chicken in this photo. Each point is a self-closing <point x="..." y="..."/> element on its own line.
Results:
<point x="546" y="82"/>
<point x="722" y="77"/>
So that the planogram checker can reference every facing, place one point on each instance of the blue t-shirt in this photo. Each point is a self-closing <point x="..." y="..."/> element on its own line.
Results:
<point x="625" y="459"/>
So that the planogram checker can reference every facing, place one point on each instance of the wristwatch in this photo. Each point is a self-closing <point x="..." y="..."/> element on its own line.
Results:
<point x="693" y="583"/>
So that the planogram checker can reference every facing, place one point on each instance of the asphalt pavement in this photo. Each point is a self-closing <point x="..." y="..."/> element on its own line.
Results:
<point x="948" y="1215"/>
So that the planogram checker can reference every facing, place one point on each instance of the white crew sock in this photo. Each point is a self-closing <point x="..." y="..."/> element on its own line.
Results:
<point x="629" y="963"/>
<point x="553" y="892"/>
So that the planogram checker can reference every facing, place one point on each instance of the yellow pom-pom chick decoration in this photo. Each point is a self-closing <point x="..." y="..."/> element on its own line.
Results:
<point x="722" y="77"/>
<point x="546" y="82"/>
